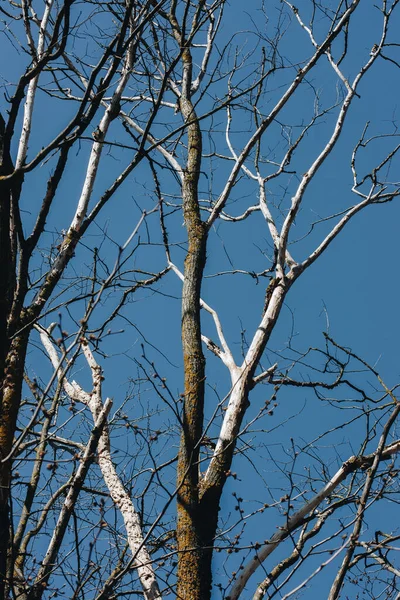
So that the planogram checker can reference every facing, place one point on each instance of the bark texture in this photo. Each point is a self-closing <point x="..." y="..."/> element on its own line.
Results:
<point x="194" y="572"/>
<point x="11" y="356"/>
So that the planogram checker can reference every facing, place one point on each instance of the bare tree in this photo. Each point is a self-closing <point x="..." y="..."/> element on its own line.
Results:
<point x="118" y="458"/>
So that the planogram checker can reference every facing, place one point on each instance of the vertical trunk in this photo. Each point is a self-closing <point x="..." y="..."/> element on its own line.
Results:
<point x="10" y="402"/>
<point x="7" y="275"/>
<point x="194" y="577"/>
<point x="190" y="576"/>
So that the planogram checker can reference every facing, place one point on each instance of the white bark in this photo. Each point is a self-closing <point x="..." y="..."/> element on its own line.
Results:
<point x="141" y="558"/>
<point x="31" y="92"/>
<point x="273" y="230"/>
<point x="320" y="51"/>
<point x="240" y="385"/>
<point x="297" y="519"/>
<point x="307" y="177"/>
<point x="212" y="29"/>
<point x="225" y="354"/>
<point x="142" y="561"/>
<point x="167" y="155"/>
<point x="97" y="147"/>
<point x="240" y="382"/>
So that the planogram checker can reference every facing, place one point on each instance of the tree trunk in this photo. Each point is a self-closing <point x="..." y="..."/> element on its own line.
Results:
<point x="10" y="402"/>
<point x="9" y="360"/>
<point x="194" y="575"/>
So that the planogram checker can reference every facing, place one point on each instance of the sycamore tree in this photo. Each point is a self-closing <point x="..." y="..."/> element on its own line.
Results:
<point x="168" y="172"/>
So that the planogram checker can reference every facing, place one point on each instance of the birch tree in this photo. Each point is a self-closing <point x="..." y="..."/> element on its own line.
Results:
<point x="147" y="440"/>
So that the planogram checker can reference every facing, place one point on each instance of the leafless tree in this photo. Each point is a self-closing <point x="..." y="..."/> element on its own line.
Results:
<point x="125" y="470"/>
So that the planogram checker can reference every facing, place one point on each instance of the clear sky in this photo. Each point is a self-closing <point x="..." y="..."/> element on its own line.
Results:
<point x="353" y="288"/>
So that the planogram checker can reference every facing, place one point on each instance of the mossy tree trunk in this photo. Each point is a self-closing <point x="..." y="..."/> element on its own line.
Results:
<point x="194" y="568"/>
<point x="191" y="579"/>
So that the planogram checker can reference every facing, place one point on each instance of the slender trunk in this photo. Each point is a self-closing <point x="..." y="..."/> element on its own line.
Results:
<point x="9" y="364"/>
<point x="194" y="577"/>
<point x="11" y="399"/>
<point x="7" y="272"/>
<point x="190" y="575"/>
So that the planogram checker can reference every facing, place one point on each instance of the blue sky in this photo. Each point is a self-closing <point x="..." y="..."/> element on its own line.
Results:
<point x="354" y="286"/>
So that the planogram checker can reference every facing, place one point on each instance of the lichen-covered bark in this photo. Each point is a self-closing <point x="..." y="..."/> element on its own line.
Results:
<point x="194" y="577"/>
